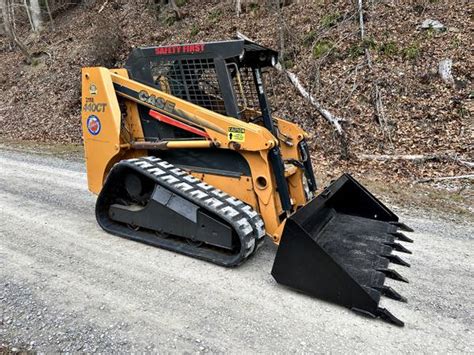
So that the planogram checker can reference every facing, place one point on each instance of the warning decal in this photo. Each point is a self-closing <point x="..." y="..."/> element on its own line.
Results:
<point x="236" y="134"/>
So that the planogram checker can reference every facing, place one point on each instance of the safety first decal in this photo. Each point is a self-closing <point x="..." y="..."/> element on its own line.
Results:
<point x="93" y="125"/>
<point x="236" y="134"/>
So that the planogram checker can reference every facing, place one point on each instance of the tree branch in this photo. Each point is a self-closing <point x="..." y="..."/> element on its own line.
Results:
<point x="27" y="8"/>
<point x="103" y="6"/>
<point x="333" y="120"/>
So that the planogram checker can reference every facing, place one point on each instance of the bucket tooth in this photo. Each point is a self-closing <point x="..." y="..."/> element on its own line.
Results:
<point x="389" y="317"/>
<point x="402" y="237"/>
<point x="402" y="226"/>
<point x="396" y="260"/>
<point x="391" y="293"/>
<point x="399" y="247"/>
<point x="393" y="275"/>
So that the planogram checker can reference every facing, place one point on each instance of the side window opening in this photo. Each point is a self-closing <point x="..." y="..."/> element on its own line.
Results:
<point x="245" y="90"/>
<point x="193" y="80"/>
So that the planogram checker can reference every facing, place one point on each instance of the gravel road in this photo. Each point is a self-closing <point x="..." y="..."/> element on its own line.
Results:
<point x="65" y="285"/>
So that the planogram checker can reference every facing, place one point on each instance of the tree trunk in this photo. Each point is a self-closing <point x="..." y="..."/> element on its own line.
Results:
<point x="49" y="14"/>
<point x="7" y="23"/>
<point x="238" y="7"/>
<point x="35" y="10"/>
<point x="28" y="12"/>
<point x="176" y="9"/>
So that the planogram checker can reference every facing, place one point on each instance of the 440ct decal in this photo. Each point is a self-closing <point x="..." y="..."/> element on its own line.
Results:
<point x="91" y="106"/>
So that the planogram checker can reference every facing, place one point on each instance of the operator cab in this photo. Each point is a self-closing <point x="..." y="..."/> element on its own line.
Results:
<point x="219" y="76"/>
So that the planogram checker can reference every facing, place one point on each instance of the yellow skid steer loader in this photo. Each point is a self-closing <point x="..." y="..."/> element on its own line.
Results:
<point x="184" y="154"/>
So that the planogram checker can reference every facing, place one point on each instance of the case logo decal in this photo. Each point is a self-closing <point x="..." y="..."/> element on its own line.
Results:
<point x="93" y="125"/>
<point x="155" y="101"/>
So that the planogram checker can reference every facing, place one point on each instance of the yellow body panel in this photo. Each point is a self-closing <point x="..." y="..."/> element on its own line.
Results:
<point x="101" y="146"/>
<point x="120" y="131"/>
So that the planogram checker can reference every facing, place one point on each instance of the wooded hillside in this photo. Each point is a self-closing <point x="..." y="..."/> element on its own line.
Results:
<point x="377" y="67"/>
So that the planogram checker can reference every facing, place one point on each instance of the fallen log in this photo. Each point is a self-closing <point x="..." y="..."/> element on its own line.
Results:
<point x="418" y="158"/>
<point x="410" y="157"/>
<point x="441" y="178"/>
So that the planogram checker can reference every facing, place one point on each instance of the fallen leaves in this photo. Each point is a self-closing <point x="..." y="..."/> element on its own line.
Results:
<point x="423" y="114"/>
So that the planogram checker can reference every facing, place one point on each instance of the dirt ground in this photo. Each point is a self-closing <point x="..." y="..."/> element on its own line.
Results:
<point x="68" y="286"/>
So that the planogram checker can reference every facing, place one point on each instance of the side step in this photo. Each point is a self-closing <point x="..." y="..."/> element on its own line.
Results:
<point x="339" y="246"/>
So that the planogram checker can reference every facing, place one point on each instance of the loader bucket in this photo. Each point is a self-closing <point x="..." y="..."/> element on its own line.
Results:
<point x="339" y="246"/>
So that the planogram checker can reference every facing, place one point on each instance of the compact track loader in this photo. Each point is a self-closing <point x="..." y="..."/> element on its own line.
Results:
<point x="184" y="154"/>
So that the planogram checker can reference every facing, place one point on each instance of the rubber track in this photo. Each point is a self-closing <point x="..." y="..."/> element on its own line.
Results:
<point x="241" y="217"/>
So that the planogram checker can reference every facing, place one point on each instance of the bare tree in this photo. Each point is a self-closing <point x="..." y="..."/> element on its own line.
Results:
<point x="175" y="8"/>
<point x="238" y="7"/>
<point x="281" y="31"/>
<point x="28" y="12"/>
<point x="46" y="2"/>
<point x="8" y="20"/>
<point x="377" y="94"/>
<point x="36" y="18"/>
